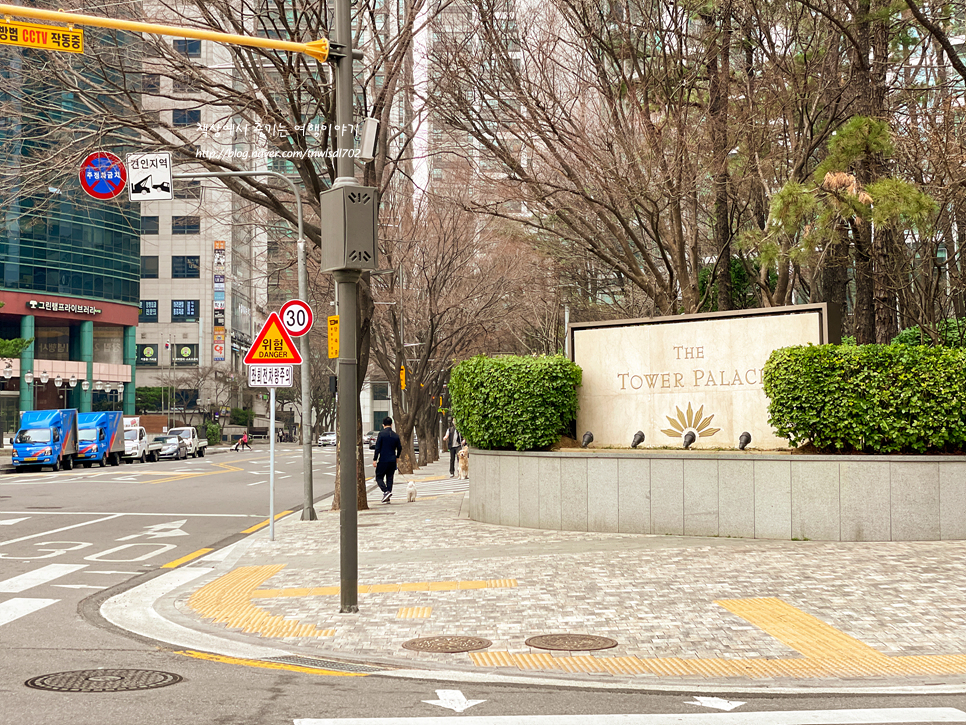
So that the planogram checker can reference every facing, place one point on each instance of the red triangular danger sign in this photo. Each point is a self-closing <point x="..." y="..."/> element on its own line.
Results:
<point x="273" y="345"/>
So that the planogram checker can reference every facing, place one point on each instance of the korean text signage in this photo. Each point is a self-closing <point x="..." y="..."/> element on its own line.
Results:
<point x="49" y="37"/>
<point x="273" y="345"/>
<point x="150" y="177"/>
<point x="185" y="354"/>
<point x="700" y="374"/>
<point x="147" y="355"/>
<point x="63" y="307"/>
<point x="270" y="376"/>
<point x="103" y="175"/>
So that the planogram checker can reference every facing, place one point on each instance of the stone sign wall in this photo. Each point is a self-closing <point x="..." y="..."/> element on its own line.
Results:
<point x="666" y="376"/>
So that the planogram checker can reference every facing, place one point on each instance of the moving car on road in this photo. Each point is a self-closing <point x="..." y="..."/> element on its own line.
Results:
<point x="172" y="446"/>
<point x="327" y="439"/>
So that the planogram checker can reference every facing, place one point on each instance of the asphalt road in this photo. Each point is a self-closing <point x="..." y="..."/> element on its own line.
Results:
<point x="69" y="538"/>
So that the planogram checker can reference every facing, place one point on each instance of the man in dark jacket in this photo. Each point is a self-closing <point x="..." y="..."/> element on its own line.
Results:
<point x="387" y="449"/>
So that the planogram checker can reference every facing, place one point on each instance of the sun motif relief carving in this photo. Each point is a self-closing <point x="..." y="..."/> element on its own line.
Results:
<point x="690" y="421"/>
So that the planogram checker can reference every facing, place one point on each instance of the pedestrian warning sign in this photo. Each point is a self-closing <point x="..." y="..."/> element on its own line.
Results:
<point x="273" y="345"/>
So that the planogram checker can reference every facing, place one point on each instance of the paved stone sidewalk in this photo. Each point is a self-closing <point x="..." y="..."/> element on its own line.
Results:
<point x="681" y="609"/>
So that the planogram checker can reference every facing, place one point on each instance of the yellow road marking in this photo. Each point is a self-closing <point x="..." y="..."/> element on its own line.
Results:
<point x="183" y="559"/>
<point x="802" y="632"/>
<point x="225" y="467"/>
<point x="227" y="600"/>
<point x="263" y="524"/>
<point x="414" y="612"/>
<point x="384" y="588"/>
<point x="268" y="665"/>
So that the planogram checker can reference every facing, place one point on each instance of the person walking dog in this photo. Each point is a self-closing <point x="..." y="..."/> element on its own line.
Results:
<point x="387" y="449"/>
<point x="454" y="441"/>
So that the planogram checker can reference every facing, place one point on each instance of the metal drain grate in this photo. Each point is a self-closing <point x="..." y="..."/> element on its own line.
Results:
<point x="325" y="664"/>
<point x="103" y="680"/>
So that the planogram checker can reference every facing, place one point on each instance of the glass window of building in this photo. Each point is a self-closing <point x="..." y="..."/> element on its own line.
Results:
<point x="151" y="83"/>
<point x="149" y="311"/>
<point x="186" y="117"/>
<point x="187" y="189"/>
<point x="185" y="225"/>
<point x="185" y="267"/>
<point x="149" y="267"/>
<point x="149" y="225"/>
<point x="190" y="48"/>
<point x="184" y="310"/>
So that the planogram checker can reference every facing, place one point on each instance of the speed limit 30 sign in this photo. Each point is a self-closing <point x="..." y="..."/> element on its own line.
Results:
<point x="296" y="317"/>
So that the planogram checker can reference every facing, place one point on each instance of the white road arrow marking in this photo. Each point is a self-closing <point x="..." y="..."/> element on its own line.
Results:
<point x="716" y="702"/>
<point x="11" y="522"/>
<point x="160" y="531"/>
<point x="453" y="700"/>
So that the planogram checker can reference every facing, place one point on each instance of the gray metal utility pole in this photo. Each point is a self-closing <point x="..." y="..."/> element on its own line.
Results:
<point x="308" y="505"/>
<point x="347" y="280"/>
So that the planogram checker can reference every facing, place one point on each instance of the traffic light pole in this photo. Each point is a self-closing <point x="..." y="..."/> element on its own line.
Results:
<point x="308" y="504"/>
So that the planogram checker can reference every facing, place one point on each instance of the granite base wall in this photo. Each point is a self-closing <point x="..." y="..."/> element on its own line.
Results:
<point x="759" y="496"/>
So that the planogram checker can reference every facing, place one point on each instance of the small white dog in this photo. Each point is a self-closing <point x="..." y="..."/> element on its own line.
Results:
<point x="463" y="463"/>
<point x="410" y="492"/>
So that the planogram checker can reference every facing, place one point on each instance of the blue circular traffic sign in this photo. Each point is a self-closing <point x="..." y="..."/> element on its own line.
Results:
<point x="102" y="175"/>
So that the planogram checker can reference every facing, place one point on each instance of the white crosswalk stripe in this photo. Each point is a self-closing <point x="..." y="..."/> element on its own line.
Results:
<point x="434" y="488"/>
<point x="34" y="578"/>
<point x="20" y="607"/>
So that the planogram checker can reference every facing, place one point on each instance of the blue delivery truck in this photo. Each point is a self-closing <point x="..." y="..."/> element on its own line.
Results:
<point x="100" y="438"/>
<point x="46" y="438"/>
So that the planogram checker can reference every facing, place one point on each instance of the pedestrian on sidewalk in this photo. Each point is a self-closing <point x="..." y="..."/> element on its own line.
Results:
<point x="387" y="449"/>
<point x="454" y="441"/>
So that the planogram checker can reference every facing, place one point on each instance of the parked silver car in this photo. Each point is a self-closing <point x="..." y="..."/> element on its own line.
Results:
<point x="172" y="446"/>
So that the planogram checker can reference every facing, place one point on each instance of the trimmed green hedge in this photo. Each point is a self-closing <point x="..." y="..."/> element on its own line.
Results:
<point x="520" y="403"/>
<point x="869" y="398"/>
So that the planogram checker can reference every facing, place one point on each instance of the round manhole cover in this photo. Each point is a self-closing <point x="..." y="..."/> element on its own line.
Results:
<point x="447" y="644"/>
<point x="571" y="642"/>
<point x="103" y="680"/>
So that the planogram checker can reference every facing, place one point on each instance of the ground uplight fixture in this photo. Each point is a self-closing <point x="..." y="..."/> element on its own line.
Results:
<point x="72" y="381"/>
<point x="58" y="381"/>
<point x="98" y="386"/>
<point x="28" y="377"/>
<point x="86" y="385"/>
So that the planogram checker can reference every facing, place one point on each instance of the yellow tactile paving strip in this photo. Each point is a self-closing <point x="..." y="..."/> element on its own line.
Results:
<point x="227" y="600"/>
<point x="827" y="653"/>
<point x="385" y="588"/>
<point x="800" y="631"/>
<point x="414" y="612"/>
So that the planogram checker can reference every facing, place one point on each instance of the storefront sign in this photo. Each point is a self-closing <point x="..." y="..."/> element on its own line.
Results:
<point x="185" y="355"/>
<point x="147" y="355"/>
<point x="63" y="307"/>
